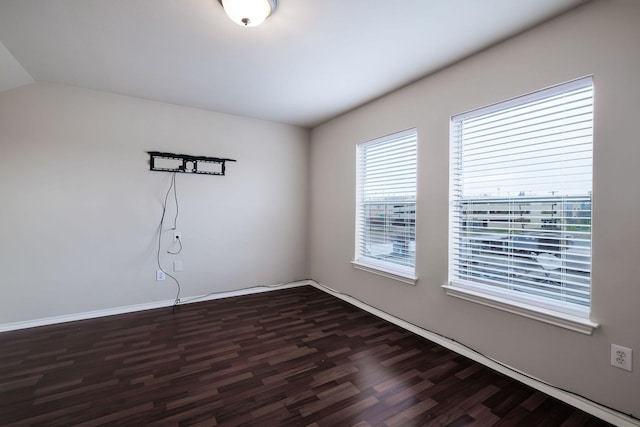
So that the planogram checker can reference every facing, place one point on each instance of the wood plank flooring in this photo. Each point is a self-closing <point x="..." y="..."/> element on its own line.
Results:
<point x="296" y="357"/>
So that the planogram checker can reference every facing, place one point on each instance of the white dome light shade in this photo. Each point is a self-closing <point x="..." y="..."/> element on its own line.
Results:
<point x="248" y="13"/>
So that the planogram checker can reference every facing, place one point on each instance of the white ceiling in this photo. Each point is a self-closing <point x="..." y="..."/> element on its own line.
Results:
<point x="310" y="61"/>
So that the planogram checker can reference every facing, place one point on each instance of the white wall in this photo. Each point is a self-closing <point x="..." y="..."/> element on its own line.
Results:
<point x="12" y="74"/>
<point x="600" y="38"/>
<point x="79" y="208"/>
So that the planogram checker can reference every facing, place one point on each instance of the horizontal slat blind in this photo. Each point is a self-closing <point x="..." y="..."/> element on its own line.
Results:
<point x="386" y="202"/>
<point x="521" y="181"/>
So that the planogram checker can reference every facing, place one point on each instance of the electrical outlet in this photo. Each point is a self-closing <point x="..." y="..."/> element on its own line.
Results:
<point x="177" y="266"/>
<point x="160" y="275"/>
<point x="621" y="357"/>
<point x="177" y="236"/>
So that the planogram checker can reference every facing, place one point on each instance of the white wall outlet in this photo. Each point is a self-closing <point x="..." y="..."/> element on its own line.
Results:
<point x="177" y="266"/>
<point x="177" y="236"/>
<point x="160" y="275"/>
<point x="621" y="357"/>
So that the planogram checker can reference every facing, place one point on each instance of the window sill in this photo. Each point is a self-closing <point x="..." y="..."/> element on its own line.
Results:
<point x="567" y="321"/>
<point x="395" y="275"/>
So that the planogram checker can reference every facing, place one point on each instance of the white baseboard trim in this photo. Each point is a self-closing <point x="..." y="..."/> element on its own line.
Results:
<point x="602" y="412"/>
<point x="146" y="306"/>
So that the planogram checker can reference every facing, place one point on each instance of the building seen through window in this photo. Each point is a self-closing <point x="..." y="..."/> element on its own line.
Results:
<point x="521" y="199"/>
<point x="386" y="204"/>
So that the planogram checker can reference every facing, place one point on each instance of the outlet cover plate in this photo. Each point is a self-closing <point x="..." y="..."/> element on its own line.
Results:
<point x="621" y="357"/>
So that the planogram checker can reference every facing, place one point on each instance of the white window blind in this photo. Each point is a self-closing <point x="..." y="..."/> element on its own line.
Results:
<point x="386" y="203"/>
<point x="520" y="189"/>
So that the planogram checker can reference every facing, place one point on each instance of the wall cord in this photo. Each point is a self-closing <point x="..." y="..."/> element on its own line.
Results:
<point x="232" y="290"/>
<point x="175" y="221"/>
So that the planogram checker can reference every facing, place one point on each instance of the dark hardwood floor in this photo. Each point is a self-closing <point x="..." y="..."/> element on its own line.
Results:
<point x="293" y="357"/>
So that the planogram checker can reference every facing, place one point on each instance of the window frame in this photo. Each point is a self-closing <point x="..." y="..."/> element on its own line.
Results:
<point x="567" y="315"/>
<point x="376" y="265"/>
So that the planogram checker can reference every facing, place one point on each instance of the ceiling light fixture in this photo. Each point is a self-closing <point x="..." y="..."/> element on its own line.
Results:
<point x="248" y="13"/>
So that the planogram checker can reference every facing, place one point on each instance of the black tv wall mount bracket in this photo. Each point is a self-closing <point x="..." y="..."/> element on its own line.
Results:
<point x="169" y="162"/>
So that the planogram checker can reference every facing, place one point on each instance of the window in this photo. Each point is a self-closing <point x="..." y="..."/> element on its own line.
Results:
<point x="386" y="206"/>
<point x="520" y="191"/>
